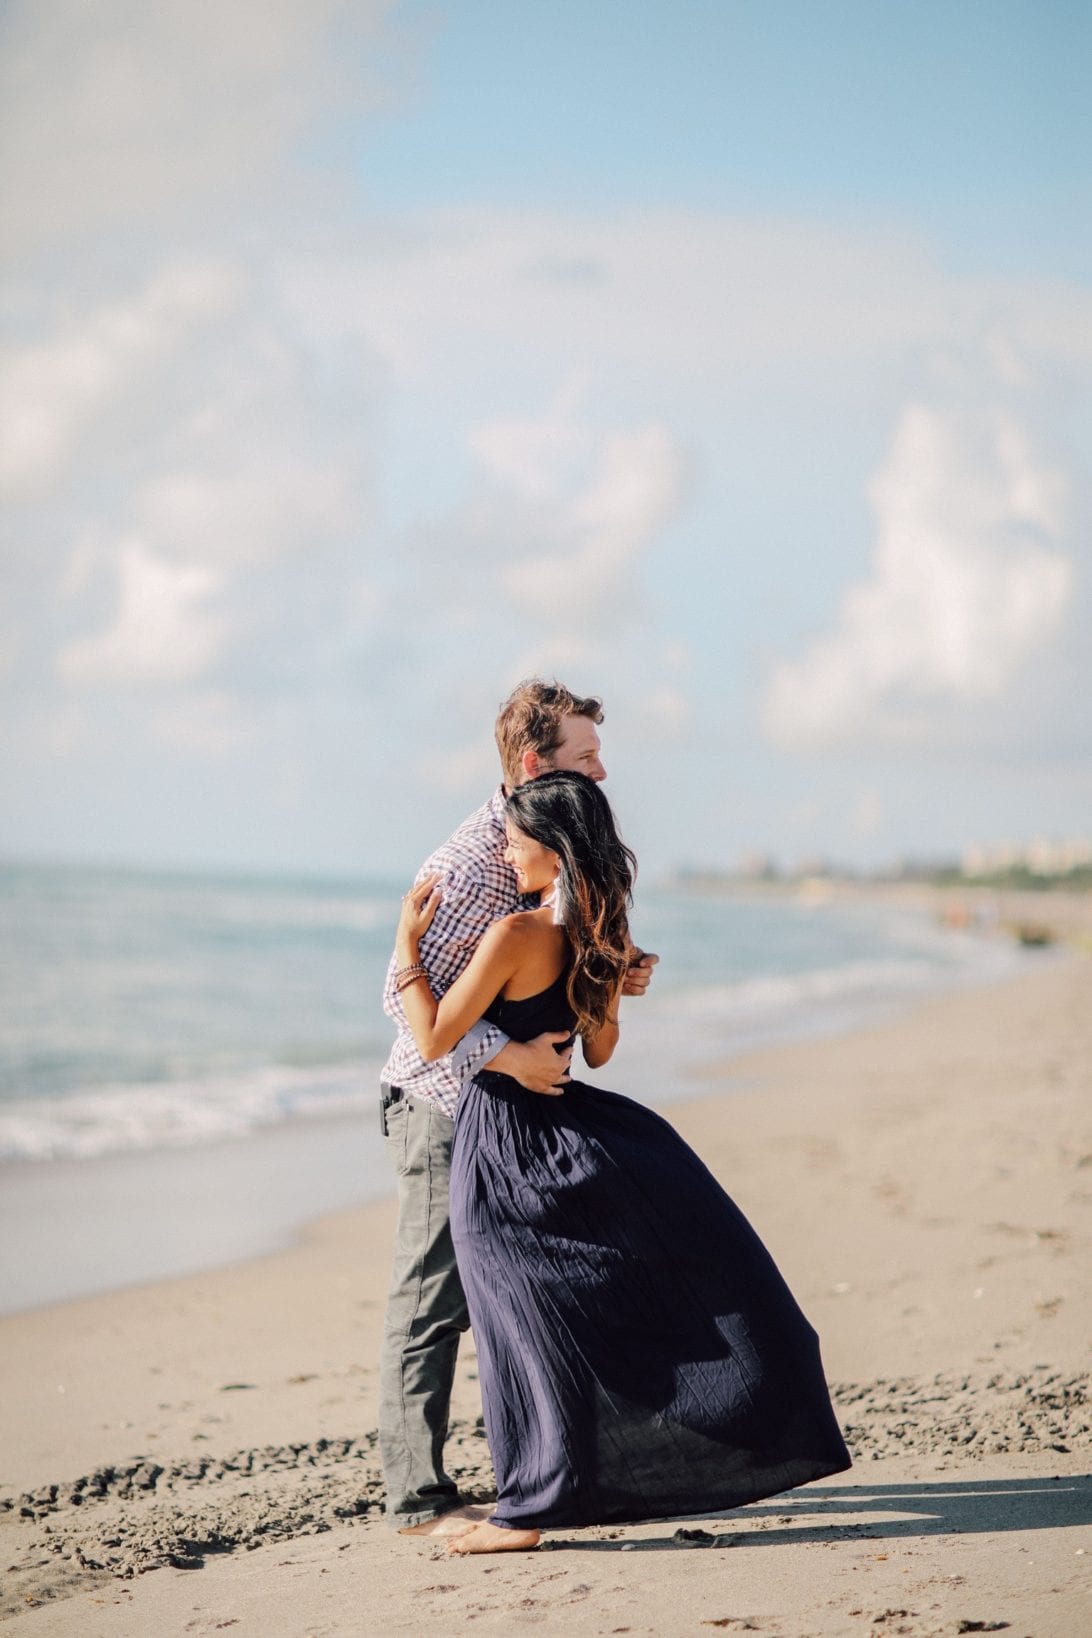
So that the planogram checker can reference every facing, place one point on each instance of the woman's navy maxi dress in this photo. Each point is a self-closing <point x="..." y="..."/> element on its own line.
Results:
<point x="640" y="1356"/>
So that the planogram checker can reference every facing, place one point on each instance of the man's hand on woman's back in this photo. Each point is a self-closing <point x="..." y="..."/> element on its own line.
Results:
<point x="538" y="1064"/>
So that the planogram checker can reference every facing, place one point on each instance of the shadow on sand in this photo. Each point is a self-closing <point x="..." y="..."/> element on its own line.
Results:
<point x="974" y="1507"/>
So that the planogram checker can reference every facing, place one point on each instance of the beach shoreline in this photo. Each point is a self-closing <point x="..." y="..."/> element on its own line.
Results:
<point x="202" y="1207"/>
<point x="215" y="1172"/>
<point x="925" y="1185"/>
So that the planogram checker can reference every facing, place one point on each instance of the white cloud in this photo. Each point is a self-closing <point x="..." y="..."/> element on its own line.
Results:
<point x="967" y="583"/>
<point x="637" y="485"/>
<point x="669" y="709"/>
<point x="868" y="814"/>
<point x="124" y="111"/>
<point x="166" y="629"/>
<point x="269" y="510"/>
<point x="206" y="722"/>
<point x="232" y="508"/>
<point x="689" y="300"/>
<point x="279" y="485"/>
<point x="468" y="767"/>
<point x="536" y="454"/>
<point x="52" y="389"/>
<point x="542" y="573"/>
<point x="681" y="293"/>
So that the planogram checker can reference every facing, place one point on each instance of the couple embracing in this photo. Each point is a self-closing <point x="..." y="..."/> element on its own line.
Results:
<point x="639" y="1354"/>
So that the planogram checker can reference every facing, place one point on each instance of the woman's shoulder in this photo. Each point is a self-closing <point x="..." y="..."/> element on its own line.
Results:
<point x="518" y="928"/>
<point x="514" y="944"/>
<point x="525" y="935"/>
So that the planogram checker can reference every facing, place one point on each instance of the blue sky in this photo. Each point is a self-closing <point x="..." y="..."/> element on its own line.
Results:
<point x="734" y="361"/>
<point x="970" y="120"/>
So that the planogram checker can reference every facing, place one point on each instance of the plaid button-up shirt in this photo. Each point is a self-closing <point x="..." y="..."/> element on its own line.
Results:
<point x="478" y="888"/>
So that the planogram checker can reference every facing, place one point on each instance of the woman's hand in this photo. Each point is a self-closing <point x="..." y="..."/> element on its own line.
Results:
<point x="419" y="906"/>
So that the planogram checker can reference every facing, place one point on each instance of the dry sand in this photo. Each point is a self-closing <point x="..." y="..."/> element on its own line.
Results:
<point x="926" y="1187"/>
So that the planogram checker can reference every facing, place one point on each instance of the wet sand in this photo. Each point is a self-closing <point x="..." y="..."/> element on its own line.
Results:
<point x="199" y="1454"/>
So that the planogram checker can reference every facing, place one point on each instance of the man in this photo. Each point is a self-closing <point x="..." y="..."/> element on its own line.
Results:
<point x="541" y="727"/>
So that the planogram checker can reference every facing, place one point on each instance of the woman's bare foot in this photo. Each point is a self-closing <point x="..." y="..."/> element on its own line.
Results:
<point x="458" y="1521"/>
<point x="493" y="1538"/>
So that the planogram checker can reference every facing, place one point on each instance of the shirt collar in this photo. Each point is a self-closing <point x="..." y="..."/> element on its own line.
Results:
<point x="497" y="803"/>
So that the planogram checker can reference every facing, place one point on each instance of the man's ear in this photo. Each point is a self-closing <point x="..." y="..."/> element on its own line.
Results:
<point x="532" y="765"/>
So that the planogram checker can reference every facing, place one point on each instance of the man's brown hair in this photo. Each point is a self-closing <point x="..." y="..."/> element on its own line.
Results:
<point x="531" y="719"/>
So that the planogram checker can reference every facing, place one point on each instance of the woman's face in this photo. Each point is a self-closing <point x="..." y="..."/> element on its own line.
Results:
<point x="535" y="866"/>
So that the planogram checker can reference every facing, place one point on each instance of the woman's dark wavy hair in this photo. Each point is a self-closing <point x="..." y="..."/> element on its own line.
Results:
<point x="569" y="813"/>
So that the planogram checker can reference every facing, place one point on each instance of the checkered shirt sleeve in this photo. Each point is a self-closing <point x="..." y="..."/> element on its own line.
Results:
<point x="478" y="887"/>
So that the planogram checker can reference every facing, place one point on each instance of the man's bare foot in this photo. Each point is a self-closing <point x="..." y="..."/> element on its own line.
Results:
<point x="493" y="1538"/>
<point x="458" y="1521"/>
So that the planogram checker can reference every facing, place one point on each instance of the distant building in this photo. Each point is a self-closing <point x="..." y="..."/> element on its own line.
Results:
<point x="757" y="867"/>
<point x="1039" y="857"/>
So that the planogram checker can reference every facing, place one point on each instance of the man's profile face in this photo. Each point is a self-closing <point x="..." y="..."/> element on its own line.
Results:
<point x="578" y="751"/>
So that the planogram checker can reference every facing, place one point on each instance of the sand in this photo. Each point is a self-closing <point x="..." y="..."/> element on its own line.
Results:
<point x="199" y="1455"/>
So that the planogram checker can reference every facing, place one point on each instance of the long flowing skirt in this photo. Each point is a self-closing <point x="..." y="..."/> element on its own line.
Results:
<point x="640" y="1355"/>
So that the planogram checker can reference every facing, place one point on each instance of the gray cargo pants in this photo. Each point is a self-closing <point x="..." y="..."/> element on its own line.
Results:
<point x="426" y="1313"/>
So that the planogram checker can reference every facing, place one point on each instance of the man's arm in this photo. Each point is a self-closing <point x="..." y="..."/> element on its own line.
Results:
<point x="534" y="1063"/>
<point x="540" y="1065"/>
<point x="464" y="914"/>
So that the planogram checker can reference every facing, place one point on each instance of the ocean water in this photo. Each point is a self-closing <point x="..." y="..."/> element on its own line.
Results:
<point x="141" y="1011"/>
<point x="188" y="1063"/>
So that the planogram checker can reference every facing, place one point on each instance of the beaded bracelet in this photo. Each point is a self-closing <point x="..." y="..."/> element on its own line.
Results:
<point x="410" y="974"/>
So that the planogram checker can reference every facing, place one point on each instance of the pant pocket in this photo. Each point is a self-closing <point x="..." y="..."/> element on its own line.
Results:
<point x="396" y="1140"/>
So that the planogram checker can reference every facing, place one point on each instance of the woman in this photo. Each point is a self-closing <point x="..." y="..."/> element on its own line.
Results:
<point x="640" y="1355"/>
